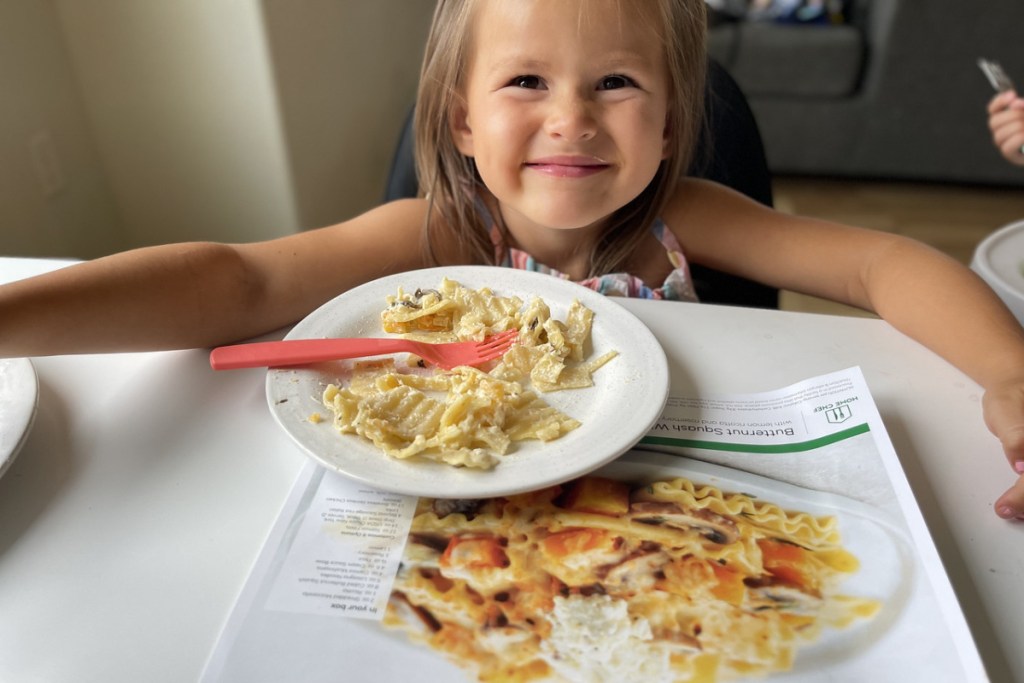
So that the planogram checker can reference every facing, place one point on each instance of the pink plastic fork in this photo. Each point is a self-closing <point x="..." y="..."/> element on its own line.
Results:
<point x="291" y="352"/>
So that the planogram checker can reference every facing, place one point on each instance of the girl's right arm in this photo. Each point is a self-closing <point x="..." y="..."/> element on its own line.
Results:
<point x="203" y="294"/>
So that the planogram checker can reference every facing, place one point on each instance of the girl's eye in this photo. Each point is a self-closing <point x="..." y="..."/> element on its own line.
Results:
<point x="529" y="82"/>
<point x="616" y="81"/>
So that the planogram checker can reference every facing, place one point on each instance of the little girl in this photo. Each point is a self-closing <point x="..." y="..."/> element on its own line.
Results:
<point x="551" y="133"/>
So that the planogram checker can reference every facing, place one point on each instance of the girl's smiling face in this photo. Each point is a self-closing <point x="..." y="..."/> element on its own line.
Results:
<point x="565" y="106"/>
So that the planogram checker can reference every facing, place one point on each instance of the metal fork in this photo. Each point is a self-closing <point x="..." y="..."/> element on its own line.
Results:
<point x="291" y="352"/>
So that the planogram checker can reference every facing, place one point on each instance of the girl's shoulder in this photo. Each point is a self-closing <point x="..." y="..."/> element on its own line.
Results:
<point x="708" y="203"/>
<point x="700" y="195"/>
<point x="404" y="214"/>
<point x="402" y="220"/>
<point x="703" y="214"/>
<point x="402" y="225"/>
<point x="389" y="233"/>
<point x="698" y="203"/>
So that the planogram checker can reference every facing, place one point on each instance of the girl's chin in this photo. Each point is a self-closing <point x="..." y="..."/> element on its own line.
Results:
<point x="558" y="215"/>
<point x="565" y="223"/>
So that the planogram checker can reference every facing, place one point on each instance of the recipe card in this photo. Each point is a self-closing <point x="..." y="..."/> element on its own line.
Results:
<point x="345" y="553"/>
<point x="802" y="434"/>
<point x="775" y="535"/>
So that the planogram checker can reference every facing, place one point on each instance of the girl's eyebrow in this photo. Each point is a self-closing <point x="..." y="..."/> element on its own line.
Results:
<point x="614" y="60"/>
<point x="625" y="58"/>
<point x="516" y="62"/>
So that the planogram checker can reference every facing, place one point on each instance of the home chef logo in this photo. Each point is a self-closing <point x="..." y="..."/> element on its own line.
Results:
<point x="838" y="412"/>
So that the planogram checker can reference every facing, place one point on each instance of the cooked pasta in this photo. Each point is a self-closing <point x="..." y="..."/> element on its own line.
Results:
<point x="600" y="580"/>
<point x="468" y="417"/>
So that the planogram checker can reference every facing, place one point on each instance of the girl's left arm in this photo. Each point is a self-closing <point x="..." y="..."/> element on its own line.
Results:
<point x="919" y="290"/>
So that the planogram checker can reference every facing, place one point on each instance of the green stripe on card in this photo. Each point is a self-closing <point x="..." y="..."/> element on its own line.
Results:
<point x="757" y="448"/>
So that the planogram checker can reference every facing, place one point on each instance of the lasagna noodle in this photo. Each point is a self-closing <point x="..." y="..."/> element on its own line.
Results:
<point x="468" y="417"/>
<point x="799" y="526"/>
<point x="664" y="581"/>
<point x="478" y="418"/>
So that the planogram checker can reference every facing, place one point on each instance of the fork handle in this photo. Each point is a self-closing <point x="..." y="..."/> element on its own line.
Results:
<point x="290" y="352"/>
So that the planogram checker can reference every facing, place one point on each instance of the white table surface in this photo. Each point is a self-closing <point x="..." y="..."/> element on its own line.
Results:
<point x="131" y="518"/>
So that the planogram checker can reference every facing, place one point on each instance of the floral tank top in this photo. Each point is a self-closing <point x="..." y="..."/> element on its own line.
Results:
<point x="678" y="286"/>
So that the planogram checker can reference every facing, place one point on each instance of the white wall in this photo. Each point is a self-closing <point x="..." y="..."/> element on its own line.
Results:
<point x="171" y="120"/>
<point x="184" y="112"/>
<point x="54" y="196"/>
<point x="346" y="72"/>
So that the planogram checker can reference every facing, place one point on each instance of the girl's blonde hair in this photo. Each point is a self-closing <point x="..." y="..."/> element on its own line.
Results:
<point x="449" y="180"/>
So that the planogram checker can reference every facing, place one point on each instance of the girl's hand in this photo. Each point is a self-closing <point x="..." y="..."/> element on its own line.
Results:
<point x="1006" y="122"/>
<point x="1003" y="407"/>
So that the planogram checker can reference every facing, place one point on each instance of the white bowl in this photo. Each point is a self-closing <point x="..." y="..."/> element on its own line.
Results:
<point x="999" y="260"/>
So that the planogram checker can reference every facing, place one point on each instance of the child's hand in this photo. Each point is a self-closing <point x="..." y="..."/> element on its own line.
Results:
<point x="1003" y="407"/>
<point x="1006" y="122"/>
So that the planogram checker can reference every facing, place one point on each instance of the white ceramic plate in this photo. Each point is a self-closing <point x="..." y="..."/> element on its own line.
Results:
<point x="628" y="396"/>
<point x="19" y="398"/>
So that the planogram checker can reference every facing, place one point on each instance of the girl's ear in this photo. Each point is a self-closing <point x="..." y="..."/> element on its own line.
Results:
<point x="458" y="123"/>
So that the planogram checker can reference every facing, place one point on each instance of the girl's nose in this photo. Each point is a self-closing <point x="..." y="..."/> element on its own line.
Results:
<point x="571" y="119"/>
